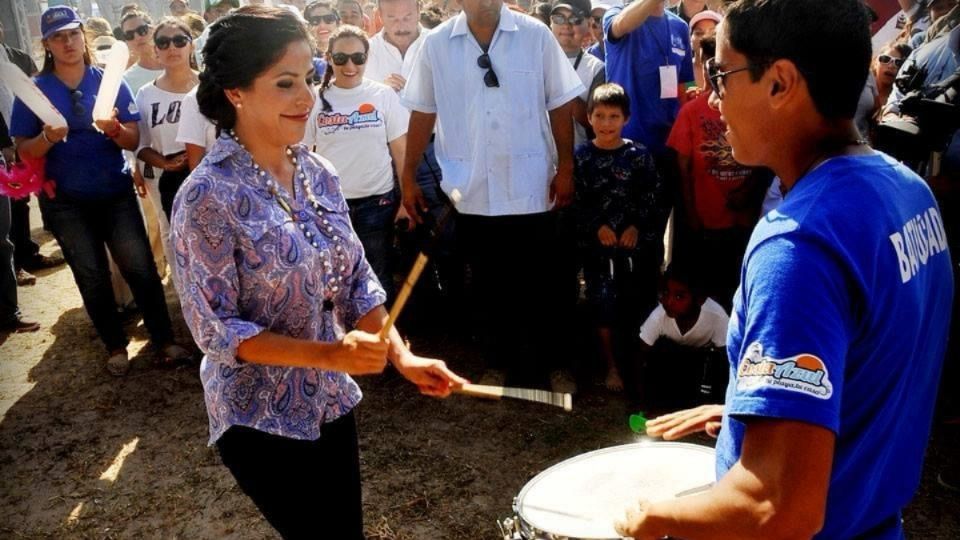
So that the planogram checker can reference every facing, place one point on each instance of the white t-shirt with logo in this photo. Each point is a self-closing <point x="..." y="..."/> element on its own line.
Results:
<point x="354" y="135"/>
<point x="710" y="328"/>
<point x="195" y="128"/>
<point x="160" y="114"/>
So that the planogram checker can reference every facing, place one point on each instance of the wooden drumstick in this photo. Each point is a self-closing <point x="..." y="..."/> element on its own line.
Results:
<point x="418" y="267"/>
<point x="557" y="399"/>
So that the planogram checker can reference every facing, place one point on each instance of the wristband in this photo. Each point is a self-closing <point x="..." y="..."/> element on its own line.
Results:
<point x="117" y="128"/>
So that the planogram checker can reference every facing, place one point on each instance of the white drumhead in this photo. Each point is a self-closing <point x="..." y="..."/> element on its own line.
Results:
<point x="583" y="496"/>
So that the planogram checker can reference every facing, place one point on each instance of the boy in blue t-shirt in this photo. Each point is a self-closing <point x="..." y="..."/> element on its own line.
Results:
<point x="622" y="209"/>
<point x="839" y="327"/>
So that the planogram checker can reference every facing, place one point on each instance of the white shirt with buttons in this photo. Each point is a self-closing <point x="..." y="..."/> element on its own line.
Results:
<point x="494" y="145"/>
<point x="384" y="59"/>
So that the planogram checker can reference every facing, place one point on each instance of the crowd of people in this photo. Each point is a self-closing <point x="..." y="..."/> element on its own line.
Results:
<point x="273" y="158"/>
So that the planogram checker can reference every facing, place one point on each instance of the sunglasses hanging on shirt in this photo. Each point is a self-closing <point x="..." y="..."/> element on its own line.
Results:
<point x="490" y="77"/>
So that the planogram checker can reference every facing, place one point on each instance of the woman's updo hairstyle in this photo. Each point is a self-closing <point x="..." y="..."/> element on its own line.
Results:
<point x="240" y="47"/>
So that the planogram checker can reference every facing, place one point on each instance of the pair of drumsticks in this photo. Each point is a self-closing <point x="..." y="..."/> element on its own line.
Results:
<point x="557" y="399"/>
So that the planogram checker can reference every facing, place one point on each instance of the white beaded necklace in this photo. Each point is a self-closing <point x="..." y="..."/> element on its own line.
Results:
<point x="302" y="219"/>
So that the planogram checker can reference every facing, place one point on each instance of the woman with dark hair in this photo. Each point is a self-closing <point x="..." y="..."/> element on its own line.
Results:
<point x="160" y="105"/>
<point x="94" y="204"/>
<point x="883" y="72"/>
<point x="323" y="20"/>
<point x="366" y="154"/>
<point x="275" y="288"/>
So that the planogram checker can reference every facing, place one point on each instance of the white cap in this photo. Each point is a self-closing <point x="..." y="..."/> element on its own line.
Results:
<point x="605" y="4"/>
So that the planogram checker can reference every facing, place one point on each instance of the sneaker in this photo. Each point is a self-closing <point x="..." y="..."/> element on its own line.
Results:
<point x="40" y="262"/>
<point x="493" y="377"/>
<point x="175" y="354"/>
<point x="119" y="363"/>
<point x="948" y="479"/>
<point x="25" y="278"/>
<point x="562" y="381"/>
<point x="20" y="325"/>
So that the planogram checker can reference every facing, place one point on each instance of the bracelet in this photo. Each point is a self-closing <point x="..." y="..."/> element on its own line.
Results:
<point x="44" y="135"/>
<point x="118" y="127"/>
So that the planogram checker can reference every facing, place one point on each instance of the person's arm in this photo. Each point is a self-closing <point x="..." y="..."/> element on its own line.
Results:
<point x="126" y="135"/>
<point x="632" y="17"/>
<point x="156" y="159"/>
<point x="357" y="353"/>
<point x="195" y="154"/>
<point x="418" y="137"/>
<point x="561" y="124"/>
<point x="39" y="145"/>
<point x="685" y="164"/>
<point x="777" y="490"/>
<point x="431" y="376"/>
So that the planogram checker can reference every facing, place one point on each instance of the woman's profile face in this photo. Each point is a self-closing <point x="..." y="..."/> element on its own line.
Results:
<point x="349" y="74"/>
<point x="276" y="106"/>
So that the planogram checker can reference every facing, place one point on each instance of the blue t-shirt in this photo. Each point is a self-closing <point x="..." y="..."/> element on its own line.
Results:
<point x="634" y="62"/>
<point x="86" y="165"/>
<point x="841" y="321"/>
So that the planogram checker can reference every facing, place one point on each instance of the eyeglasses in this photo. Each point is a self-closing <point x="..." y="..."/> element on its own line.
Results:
<point x="561" y="20"/>
<point x="340" y="59"/>
<point x="490" y="77"/>
<point x="329" y="18"/>
<point x="886" y="59"/>
<point x="141" y="30"/>
<point x="78" y="108"/>
<point x="716" y="77"/>
<point x="179" y="41"/>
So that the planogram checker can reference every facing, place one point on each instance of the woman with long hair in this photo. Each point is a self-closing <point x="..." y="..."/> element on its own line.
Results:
<point x="323" y="19"/>
<point x="361" y="127"/>
<point x="94" y="204"/>
<point x="275" y="288"/>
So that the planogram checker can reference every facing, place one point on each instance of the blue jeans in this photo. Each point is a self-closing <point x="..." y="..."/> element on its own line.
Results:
<point x="82" y="228"/>
<point x="372" y="219"/>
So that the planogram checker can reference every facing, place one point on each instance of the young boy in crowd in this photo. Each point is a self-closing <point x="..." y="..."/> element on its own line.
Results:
<point x="685" y="335"/>
<point x="622" y="206"/>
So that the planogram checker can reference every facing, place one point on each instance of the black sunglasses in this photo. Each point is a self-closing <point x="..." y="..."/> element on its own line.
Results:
<point x="358" y="58"/>
<point x="490" y="77"/>
<point x="560" y="20"/>
<point x="179" y="41"/>
<point x="716" y="77"/>
<point x="329" y="18"/>
<point x="78" y="108"/>
<point x="141" y="30"/>
<point x="886" y="59"/>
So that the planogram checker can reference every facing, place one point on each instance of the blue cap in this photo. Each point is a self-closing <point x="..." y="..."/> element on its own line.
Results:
<point x="58" y="18"/>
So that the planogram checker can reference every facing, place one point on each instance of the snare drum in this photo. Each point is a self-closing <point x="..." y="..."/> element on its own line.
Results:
<point x="582" y="497"/>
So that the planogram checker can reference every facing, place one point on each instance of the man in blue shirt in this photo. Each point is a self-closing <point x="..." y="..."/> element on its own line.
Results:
<point x="648" y="53"/>
<point x="838" y="331"/>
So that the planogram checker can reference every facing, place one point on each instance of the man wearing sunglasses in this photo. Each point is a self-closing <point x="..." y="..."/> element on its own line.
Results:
<point x="648" y="53"/>
<point x="499" y="89"/>
<point x="569" y="24"/>
<point x="839" y="328"/>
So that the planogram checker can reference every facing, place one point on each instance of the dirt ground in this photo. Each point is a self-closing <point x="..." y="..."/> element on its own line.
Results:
<point x="432" y="469"/>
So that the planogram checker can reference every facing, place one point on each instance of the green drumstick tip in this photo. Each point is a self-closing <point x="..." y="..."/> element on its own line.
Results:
<point x="638" y="423"/>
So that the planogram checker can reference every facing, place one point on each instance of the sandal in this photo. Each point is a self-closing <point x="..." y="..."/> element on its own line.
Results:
<point x="118" y="364"/>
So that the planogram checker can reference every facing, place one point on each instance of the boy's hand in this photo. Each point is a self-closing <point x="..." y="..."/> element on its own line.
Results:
<point x="628" y="239"/>
<point x="607" y="237"/>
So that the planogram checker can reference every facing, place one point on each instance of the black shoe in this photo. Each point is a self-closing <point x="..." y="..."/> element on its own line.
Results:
<point x="19" y="326"/>
<point x="41" y="262"/>
<point x="25" y="278"/>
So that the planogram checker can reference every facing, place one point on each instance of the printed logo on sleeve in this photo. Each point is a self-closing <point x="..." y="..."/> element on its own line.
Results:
<point x="804" y="373"/>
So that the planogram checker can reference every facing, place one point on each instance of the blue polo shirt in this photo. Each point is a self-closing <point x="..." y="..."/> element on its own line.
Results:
<point x="841" y="321"/>
<point x="87" y="165"/>
<point x="634" y="62"/>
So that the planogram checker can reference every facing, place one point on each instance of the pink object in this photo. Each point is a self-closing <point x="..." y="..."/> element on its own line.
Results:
<point x="24" y="179"/>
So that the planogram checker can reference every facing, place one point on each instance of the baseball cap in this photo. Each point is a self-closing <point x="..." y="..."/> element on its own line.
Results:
<point x="605" y="4"/>
<point x="705" y="16"/>
<point x="578" y="7"/>
<point x="58" y="18"/>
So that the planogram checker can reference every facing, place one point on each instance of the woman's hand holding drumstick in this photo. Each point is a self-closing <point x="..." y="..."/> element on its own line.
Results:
<point x="682" y="423"/>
